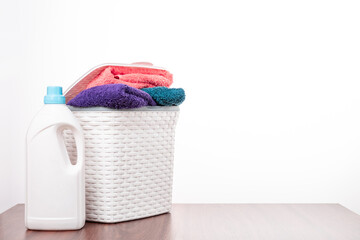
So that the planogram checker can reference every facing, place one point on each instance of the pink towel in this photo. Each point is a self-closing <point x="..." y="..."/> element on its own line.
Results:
<point x="137" y="77"/>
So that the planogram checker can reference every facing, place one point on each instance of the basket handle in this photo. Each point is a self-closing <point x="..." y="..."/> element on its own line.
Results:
<point x="142" y="63"/>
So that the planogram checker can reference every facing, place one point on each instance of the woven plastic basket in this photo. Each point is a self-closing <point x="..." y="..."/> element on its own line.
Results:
<point x="128" y="160"/>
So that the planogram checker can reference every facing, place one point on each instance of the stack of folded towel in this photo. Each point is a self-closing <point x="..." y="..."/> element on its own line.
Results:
<point x="129" y="87"/>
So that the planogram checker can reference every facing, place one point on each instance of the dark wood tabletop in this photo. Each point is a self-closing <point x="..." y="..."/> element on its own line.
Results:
<point x="208" y="222"/>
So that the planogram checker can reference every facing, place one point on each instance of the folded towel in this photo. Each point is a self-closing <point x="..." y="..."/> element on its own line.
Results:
<point x="166" y="96"/>
<point x="137" y="77"/>
<point x="116" y="96"/>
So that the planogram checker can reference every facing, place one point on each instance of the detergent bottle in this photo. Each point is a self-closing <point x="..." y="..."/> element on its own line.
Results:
<point x="55" y="191"/>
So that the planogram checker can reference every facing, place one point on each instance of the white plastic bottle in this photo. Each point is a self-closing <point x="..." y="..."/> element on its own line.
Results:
<point x="55" y="191"/>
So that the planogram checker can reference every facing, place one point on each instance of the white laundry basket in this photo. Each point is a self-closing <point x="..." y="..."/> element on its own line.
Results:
<point x="128" y="159"/>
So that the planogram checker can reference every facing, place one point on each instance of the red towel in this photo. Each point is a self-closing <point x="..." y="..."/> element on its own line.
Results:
<point x="137" y="77"/>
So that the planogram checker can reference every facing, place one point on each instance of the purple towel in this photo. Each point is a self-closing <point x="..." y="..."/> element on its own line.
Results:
<point x="116" y="96"/>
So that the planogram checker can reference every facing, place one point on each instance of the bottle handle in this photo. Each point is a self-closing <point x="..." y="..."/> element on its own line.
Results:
<point x="79" y="142"/>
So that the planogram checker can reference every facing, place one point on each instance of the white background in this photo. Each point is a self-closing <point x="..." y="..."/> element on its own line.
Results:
<point x="273" y="93"/>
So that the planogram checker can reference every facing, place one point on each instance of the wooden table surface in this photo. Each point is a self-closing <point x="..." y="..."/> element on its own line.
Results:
<point x="207" y="222"/>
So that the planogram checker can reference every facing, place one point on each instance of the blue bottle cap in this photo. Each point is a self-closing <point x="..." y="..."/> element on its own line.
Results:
<point x="54" y="95"/>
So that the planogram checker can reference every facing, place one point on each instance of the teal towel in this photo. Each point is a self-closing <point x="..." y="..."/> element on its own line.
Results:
<point x="164" y="96"/>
